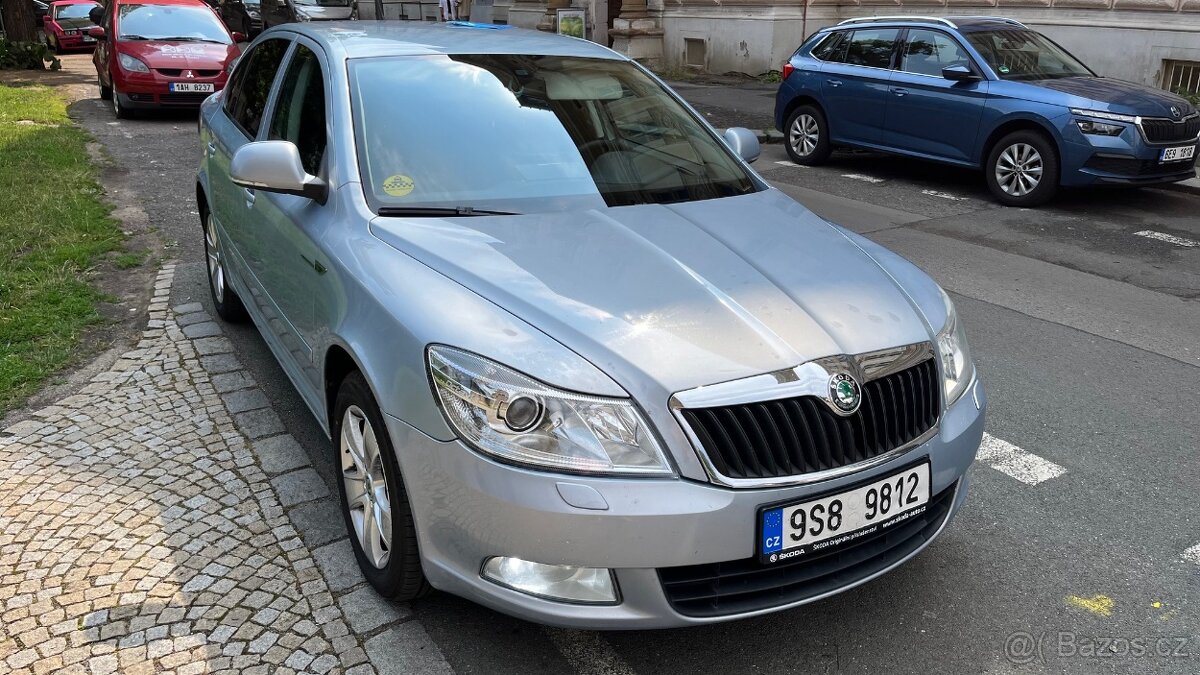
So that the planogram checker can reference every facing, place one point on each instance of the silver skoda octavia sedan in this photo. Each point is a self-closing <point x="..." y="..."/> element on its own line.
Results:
<point x="578" y="362"/>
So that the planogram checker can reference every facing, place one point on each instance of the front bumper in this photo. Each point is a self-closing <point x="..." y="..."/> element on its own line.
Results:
<point x="143" y="91"/>
<point x="75" y="41"/>
<point x="468" y="508"/>
<point x="1119" y="160"/>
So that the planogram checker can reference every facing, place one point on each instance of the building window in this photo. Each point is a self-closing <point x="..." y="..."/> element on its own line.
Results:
<point x="1181" y="77"/>
<point x="694" y="52"/>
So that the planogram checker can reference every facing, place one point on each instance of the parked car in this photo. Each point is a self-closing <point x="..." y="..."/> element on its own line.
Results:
<point x="986" y="93"/>
<point x="276" y="12"/>
<point x="67" y="25"/>
<point x="40" y="9"/>
<point x="241" y="16"/>
<point x="160" y="54"/>
<point x="578" y="363"/>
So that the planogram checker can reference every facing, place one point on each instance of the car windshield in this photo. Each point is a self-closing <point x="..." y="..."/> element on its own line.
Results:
<point x="530" y="133"/>
<point x="170" y="22"/>
<point x="1025" y="55"/>
<point x="73" y="11"/>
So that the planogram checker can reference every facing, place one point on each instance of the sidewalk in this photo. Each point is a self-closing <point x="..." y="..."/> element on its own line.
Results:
<point x="144" y="527"/>
<point x="748" y="104"/>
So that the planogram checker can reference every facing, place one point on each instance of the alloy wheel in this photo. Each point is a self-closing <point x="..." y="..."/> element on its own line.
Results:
<point x="1019" y="169"/>
<point x="367" y="496"/>
<point x="804" y="135"/>
<point x="216" y="266"/>
<point x="116" y="101"/>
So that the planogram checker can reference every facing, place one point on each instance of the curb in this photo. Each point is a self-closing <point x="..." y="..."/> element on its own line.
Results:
<point x="1192" y="186"/>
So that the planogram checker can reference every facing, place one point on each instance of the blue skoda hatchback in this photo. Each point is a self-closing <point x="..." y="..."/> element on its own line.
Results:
<point x="981" y="92"/>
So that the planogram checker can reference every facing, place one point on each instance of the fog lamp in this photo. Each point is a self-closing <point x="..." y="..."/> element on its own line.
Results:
<point x="565" y="583"/>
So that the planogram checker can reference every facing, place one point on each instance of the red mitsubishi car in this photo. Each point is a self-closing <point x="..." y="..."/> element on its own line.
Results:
<point x="67" y="24"/>
<point x="161" y="54"/>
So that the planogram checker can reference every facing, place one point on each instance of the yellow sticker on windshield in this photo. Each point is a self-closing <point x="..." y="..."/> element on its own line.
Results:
<point x="398" y="185"/>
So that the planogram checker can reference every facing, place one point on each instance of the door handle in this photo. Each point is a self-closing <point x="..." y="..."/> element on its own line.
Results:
<point x="249" y="197"/>
<point x="212" y="149"/>
<point x="834" y="83"/>
<point x="900" y="92"/>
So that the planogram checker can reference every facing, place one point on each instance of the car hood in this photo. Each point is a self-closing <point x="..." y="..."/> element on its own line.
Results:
<point x="686" y="294"/>
<point x="1119" y="96"/>
<point x="80" y="23"/>
<point x="184" y="55"/>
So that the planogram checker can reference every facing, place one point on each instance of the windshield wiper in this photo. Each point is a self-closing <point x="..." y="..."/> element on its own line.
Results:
<point x="188" y="39"/>
<point x="439" y="211"/>
<point x="134" y="37"/>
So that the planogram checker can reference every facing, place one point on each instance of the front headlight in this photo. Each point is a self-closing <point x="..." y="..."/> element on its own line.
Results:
<point x="132" y="64"/>
<point x="1116" y="117"/>
<point x="1099" y="128"/>
<point x="301" y="16"/>
<point x="252" y="14"/>
<point x="957" y="366"/>
<point x="515" y="418"/>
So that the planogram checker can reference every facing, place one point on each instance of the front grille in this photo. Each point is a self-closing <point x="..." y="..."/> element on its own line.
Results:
<point x="176" y="72"/>
<point x="1169" y="131"/>
<point x="1127" y="166"/>
<point x="183" y="98"/>
<point x="787" y="437"/>
<point x="719" y="589"/>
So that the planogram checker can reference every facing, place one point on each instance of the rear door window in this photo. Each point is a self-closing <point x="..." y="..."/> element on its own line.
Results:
<point x="832" y="48"/>
<point x="872" y="47"/>
<point x="247" y="97"/>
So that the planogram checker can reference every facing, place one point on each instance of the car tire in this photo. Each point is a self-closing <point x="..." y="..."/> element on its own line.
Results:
<point x="105" y="92"/>
<point x="370" y="485"/>
<point x="1022" y="169"/>
<point x="229" y="306"/>
<point x="119" y="110"/>
<point x="806" y="136"/>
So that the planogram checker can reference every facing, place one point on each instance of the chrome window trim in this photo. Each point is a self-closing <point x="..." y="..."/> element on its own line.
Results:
<point x="806" y="379"/>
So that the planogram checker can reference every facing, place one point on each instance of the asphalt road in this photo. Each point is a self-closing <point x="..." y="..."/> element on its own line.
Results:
<point x="1088" y="338"/>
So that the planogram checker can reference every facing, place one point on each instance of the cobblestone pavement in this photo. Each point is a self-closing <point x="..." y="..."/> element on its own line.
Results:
<point x="140" y="530"/>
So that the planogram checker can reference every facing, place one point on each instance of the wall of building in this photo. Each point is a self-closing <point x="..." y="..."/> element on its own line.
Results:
<point x="1128" y="41"/>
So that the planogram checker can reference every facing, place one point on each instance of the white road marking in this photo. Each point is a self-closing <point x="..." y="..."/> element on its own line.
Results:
<point x="1169" y="238"/>
<point x="859" y="176"/>
<point x="1192" y="554"/>
<point x="794" y="165"/>
<point x="943" y="195"/>
<point x="588" y="652"/>
<point x="1009" y="459"/>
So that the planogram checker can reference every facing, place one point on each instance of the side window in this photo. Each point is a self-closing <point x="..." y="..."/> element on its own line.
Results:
<point x="872" y="47"/>
<point x="247" y="97"/>
<point x="832" y="48"/>
<point x="300" y="112"/>
<point x="928" y="51"/>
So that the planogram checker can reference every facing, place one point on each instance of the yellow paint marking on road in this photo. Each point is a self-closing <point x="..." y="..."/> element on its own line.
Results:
<point x="1100" y="605"/>
<point x="1156" y="604"/>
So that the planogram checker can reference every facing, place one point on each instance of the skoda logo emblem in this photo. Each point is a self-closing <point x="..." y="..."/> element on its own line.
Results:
<point x="1175" y="111"/>
<point x="844" y="392"/>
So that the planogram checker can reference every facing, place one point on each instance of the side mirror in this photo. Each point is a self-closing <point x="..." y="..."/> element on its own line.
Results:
<point x="274" y="166"/>
<point x="237" y="36"/>
<point x="959" y="73"/>
<point x="96" y="32"/>
<point x="743" y="142"/>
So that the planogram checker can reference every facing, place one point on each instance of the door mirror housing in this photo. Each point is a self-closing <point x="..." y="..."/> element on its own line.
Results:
<point x="238" y="36"/>
<point x="744" y="143"/>
<point x="274" y="166"/>
<point x="96" y="32"/>
<point x="959" y="73"/>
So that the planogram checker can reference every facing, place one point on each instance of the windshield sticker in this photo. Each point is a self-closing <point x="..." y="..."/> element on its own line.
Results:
<point x="181" y="51"/>
<point x="398" y="185"/>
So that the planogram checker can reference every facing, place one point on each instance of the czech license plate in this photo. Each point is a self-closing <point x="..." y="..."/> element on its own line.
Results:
<point x="88" y="38"/>
<point x="200" y="87"/>
<point x="1178" y="154"/>
<point x="817" y="526"/>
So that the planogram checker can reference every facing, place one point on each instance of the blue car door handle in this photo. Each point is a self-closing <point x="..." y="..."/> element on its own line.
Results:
<point x="899" y="92"/>
<point x="249" y="197"/>
<point x="212" y="149"/>
<point x="834" y="83"/>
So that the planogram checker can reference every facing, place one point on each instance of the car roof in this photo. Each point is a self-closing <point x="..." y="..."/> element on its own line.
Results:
<point x="964" y="24"/>
<point x="200" y="3"/>
<point x="358" y="39"/>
